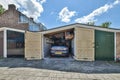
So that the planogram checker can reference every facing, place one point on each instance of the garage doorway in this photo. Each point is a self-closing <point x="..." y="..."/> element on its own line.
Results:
<point x="59" y="44"/>
<point x="104" y="45"/>
<point x="15" y="44"/>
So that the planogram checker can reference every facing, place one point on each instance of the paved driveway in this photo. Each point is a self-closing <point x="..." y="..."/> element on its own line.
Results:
<point x="58" y="69"/>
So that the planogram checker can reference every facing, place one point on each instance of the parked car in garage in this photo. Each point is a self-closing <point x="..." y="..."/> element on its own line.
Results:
<point x="59" y="51"/>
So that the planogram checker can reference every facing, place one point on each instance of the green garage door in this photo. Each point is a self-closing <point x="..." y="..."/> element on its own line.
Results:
<point x="104" y="45"/>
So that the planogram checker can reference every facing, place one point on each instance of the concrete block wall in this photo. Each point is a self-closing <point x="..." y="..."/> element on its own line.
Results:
<point x="33" y="45"/>
<point x="84" y="44"/>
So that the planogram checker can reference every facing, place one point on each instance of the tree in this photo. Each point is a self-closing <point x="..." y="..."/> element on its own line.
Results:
<point x="1" y="9"/>
<point x="92" y="23"/>
<point x="106" y="24"/>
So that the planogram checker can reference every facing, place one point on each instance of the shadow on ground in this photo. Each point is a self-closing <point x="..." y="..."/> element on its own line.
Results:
<point x="67" y="65"/>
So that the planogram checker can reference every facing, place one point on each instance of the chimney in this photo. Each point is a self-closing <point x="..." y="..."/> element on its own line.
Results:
<point x="11" y="7"/>
<point x="31" y="18"/>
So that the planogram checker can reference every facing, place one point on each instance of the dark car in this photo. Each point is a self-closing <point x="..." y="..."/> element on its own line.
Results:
<point x="59" y="51"/>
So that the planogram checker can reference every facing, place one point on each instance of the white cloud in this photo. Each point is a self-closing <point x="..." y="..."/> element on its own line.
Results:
<point x="32" y="8"/>
<point x="65" y="15"/>
<point x="97" y="12"/>
<point x="116" y="2"/>
<point x="43" y="1"/>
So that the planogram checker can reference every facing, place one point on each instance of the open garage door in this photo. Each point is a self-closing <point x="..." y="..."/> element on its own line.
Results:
<point x="84" y="44"/>
<point x="104" y="45"/>
<point x="33" y="45"/>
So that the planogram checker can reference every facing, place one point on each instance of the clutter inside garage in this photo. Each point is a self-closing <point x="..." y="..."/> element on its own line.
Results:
<point x="59" y="44"/>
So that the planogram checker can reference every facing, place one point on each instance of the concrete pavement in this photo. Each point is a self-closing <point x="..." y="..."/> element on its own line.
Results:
<point x="20" y="69"/>
<point x="43" y="74"/>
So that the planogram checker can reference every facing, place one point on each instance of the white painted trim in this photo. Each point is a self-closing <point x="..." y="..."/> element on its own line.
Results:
<point x="42" y="46"/>
<point x="4" y="29"/>
<point x="58" y="29"/>
<point x="115" y="46"/>
<point x="17" y="30"/>
<point x="12" y="29"/>
<point x="5" y="43"/>
<point x="75" y="43"/>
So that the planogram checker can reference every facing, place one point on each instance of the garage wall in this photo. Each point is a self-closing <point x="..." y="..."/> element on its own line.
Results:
<point x="118" y="46"/>
<point x="1" y="43"/>
<point x="84" y="44"/>
<point x="33" y="45"/>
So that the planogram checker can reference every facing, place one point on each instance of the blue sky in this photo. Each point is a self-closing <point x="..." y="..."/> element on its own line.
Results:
<point x="55" y="13"/>
<point x="50" y="16"/>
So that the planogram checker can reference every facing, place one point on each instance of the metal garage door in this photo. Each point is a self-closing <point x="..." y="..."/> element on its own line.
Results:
<point x="33" y="45"/>
<point x="84" y="44"/>
<point x="104" y="45"/>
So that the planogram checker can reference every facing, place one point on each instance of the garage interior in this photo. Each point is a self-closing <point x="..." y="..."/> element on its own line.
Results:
<point x="15" y="44"/>
<point x="59" y="38"/>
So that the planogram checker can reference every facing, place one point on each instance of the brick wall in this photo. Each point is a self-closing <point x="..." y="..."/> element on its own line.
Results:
<point x="118" y="45"/>
<point x="1" y="43"/>
<point x="10" y="18"/>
